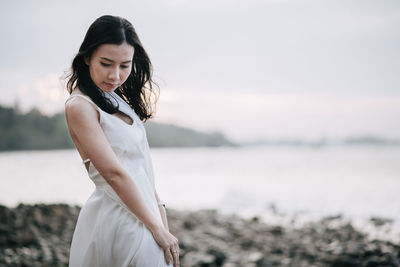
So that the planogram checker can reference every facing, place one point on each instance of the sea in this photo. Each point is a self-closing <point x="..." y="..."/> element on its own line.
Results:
<point x="280" y="184"/>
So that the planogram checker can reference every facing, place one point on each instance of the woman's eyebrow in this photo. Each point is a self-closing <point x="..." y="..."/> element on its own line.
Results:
<point x="113" y="60"/>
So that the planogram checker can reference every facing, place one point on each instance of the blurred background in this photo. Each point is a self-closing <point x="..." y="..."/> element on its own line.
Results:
<point x="278" y="108"/>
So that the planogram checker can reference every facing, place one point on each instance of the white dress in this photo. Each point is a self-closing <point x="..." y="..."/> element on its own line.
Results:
<point x="107" y="233"/>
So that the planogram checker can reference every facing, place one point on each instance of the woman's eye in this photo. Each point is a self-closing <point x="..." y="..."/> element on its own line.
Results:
<point x="104" y="64"/>
<point x="124" y="67"/>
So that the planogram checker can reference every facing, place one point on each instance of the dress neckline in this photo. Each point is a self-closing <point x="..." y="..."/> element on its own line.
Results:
<point x="134" y="120"/>
<point x="100" y="110"/>
<point x="123" y="107"/>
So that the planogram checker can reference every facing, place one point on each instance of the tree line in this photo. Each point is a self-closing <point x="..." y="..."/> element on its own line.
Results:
<point x="35" y="131"/>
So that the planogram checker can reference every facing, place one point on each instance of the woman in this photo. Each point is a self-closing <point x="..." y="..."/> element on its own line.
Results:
<point x="123" y="223"/>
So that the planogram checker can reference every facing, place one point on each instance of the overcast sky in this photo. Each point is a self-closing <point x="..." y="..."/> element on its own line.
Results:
<point x="249" y="69"/>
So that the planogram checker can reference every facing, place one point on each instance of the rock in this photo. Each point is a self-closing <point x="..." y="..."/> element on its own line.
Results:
<point x="195" y="258"/>
<point x="187" y="243"/>
<point x="220" y="256"/>
<point x="255" y="257"/>
<point x="40" y="235"/>
<point x="189" y="224"/>
<point x="36" y="235"/>
<point x="276" y="230"/>
<point x="26" y="237"/>
<point x="379" y="221"/>
<point x="345" y="262"/>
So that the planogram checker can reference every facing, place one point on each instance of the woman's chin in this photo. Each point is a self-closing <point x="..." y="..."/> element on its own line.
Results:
<point x="108" y="89"/>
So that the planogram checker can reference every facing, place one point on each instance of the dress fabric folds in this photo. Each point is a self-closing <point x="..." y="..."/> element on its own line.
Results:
<point x="107" y="233"/>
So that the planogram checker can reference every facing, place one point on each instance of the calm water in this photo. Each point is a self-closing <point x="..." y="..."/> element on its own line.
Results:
<point x="358" y="182"/>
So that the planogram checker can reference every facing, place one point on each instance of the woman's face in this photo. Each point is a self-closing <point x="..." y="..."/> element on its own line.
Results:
<point x="110" y="65"/>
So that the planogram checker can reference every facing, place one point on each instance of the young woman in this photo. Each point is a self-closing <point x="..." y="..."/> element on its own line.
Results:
<point x="123" y="223"/>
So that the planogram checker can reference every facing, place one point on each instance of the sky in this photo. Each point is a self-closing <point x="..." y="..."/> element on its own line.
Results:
<point x="250" y="69"/>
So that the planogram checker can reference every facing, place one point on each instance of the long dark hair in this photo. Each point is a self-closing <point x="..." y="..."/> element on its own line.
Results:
<point x="137" y="89"/>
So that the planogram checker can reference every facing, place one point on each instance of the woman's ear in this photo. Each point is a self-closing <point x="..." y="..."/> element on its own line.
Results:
<point x="86" y="59"/>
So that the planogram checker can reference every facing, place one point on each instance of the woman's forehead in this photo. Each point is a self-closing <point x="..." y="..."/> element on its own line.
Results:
<point x="118" y="53"/>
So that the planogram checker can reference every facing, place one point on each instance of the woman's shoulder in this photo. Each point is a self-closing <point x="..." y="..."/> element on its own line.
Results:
<point x="79" y="105"/>
<point x="78" y="99"/>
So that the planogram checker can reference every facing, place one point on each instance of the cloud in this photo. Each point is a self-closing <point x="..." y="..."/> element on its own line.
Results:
<point x="46" y="93"/>
<point x="256" y="68"/>
<point x="244" y="115"/>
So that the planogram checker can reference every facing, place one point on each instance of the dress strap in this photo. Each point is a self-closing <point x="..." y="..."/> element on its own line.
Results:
<point x="87" y="99"/>
<point x="86" y="160"/>
<point x="122" y="105"/>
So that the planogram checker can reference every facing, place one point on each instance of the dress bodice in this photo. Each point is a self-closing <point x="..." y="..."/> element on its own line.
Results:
<point x="129" y="143"/>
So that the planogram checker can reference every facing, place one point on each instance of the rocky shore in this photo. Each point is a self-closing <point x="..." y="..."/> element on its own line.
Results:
<point x="40" y="235"/>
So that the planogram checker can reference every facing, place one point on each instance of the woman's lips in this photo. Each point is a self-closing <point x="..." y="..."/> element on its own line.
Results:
<point x="110" y="84"/>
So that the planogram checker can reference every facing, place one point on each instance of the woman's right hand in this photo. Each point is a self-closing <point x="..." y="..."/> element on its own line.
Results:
<point x="168" y="243"/>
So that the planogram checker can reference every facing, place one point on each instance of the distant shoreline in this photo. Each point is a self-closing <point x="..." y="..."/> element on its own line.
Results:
<point x="264" y="143"/>
<point x="35" y="131"/>
<point x="40" y="235"/>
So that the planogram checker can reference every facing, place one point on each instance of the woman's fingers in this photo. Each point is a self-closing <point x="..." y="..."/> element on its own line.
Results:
<point x="170" y="245"/>
<point x="175" y="255"/>
<point x="168" y="256"/>
<point x="172" y="253"/>
<point x="175" y="252"/>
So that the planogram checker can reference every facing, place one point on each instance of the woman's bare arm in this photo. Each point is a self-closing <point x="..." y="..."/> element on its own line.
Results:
<point x="163" y="212"/>
<point x="82" y="120"/>
<point x="83" y="125"/>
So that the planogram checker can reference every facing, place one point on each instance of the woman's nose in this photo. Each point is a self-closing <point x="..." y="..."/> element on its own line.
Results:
<point x="113" y="74"/>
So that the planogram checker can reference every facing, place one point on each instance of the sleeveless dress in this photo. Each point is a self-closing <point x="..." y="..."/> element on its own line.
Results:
<point x="107" y="233"/>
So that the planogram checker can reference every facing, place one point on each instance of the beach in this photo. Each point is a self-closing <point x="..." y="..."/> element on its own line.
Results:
<point x="40" y="235"/>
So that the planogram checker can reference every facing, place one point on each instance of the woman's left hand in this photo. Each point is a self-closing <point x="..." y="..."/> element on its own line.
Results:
<point x="169" y="244"/>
